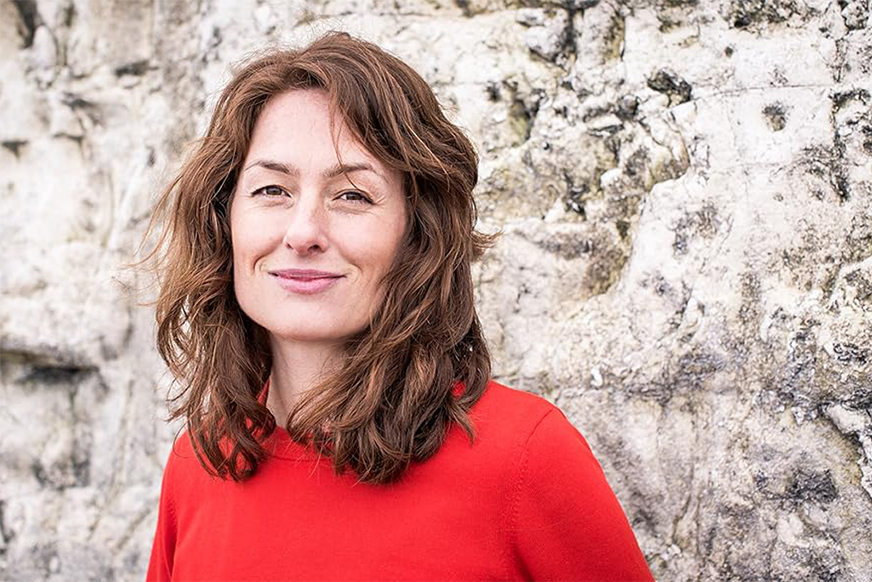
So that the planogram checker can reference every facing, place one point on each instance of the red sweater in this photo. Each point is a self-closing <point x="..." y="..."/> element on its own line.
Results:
<point x="526" y="501"/>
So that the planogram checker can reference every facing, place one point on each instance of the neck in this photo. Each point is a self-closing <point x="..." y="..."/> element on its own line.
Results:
<point x="296" y="368"/>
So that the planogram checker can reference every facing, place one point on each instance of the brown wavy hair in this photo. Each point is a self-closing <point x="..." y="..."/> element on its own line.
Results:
<point x="421" y="363"/>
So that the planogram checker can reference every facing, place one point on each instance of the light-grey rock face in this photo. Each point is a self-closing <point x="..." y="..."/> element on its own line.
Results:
<point x="685" y="194"/>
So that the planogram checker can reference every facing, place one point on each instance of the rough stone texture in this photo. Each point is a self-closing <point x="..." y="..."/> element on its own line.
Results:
<point x="684" y="192"/>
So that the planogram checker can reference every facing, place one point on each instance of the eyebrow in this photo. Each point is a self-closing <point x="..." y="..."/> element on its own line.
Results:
<point x="331" y="172"/>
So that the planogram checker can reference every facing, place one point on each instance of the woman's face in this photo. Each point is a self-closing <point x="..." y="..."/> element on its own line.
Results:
<point x="313" y="232"/>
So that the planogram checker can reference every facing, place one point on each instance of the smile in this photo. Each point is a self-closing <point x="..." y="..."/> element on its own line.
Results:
<point x="305" y="281"/>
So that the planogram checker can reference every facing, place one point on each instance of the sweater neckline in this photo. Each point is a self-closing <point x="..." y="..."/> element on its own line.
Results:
<point x="280" y="445"/>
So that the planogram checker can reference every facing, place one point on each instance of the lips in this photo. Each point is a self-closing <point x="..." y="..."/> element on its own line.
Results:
<point x="305" y="281"/>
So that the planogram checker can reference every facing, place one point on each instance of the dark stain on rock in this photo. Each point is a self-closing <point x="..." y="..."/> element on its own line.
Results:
<point x="695" y="366"/>
<point x="859" y="241"/>
<point x="861" y="283"/>
<point x="605" y="266"/>
<point x="828" y="164"/>
<point x="81" y="470"/>
<point x="6" y="534"/>
<point x="776" y="116"/>
<point x="45" y="555"/>
<point x="14" y="146"/>
<point x="855" y="13"/>
<point x="817" y="558"/>
<point x="522" y="114"/>
<point x="214" y="41"/>
<point x="673" y="14"/>
<point x="826" y="572"/>
<point x="575" y="199"/>
<point x="685" y="375"/>
<point x="867" y="139"/>
<point x="623" y="228"/>
<point x="42" y="356"/>
<point x="709" y="540"/>
<point x="72" y="471"/>
<point x="749" y="312"/>
<point x="595" y="112"/>
<point x="68" y="14"/>
<point x="579" y="190"/>
<point x="679" y="243"/>
<point x="58" y="375"/>
<point x="493" y="92"/>
<point x="812" y="486"/>
<point x="582" y="4"/>
<point x="613" y="38"/>
<point x="28" y="20"/>
<point x="667" y="22"/>
<point x="841" y="184"/>
<point x="798" y="378"/>
<point x="567" y="247"/>
<point x="641" y="517"/>
<point x="704" y="223"/>
<point x="753" y="13"/>
<point x="627" y="107"/>
<point x="841" y="98"/>
<point x="136" y="68"/>
<point x="670" y="84"/>
<point x="81" y="105"/>
<point x="464" y="7"/>
<point x="864" y="63"/>
<point x="40" y="474"/>
<point x="850" y="353"/>
<point x="660" y="285"/>
<point x="860" y="398"/>
<point x="670" y="169"/>
<point x="637" y="163"/>
<point x="840" y="172"/>
<point x="74" y="101"/>
<point x="761" y="481"/>
<point x="729" y="50"/>
<point x="568" y="46"/>
<point x="735" y="522"/>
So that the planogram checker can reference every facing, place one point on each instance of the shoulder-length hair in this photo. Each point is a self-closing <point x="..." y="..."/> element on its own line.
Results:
<point x="422" y="361"/>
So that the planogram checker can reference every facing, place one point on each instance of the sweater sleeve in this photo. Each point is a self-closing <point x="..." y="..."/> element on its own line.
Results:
<point x="567" y="522"/>
<point x="160" y="566"/>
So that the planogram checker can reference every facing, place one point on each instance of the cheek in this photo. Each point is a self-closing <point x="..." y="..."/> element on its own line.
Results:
<point x="238" y="245"/>
<point x="378" y="246"/>
<point x="250" y="238"/>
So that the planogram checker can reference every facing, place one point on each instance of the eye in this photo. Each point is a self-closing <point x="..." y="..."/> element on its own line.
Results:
<point x="269" y="191"/>
<point x="354" y="196"/>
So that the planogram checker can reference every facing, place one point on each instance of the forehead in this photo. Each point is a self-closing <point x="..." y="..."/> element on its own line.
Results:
<point x="300" y="124"/>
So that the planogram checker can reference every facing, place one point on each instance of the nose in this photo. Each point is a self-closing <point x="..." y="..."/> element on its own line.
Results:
<point x="306" y="229"/>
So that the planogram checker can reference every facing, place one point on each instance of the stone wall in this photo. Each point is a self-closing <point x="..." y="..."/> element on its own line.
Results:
<point x="685" y="268"/>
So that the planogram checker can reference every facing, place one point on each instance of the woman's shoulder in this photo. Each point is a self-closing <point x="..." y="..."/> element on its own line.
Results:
<point x="512" y="408"/>
<point x="559" y="499"/>
<point x="499" y="395"/>
<point x="182" y="464"/>
<point x="506" y="417"/>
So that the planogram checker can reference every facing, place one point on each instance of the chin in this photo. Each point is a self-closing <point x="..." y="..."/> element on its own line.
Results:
<point x="313" y="335"/>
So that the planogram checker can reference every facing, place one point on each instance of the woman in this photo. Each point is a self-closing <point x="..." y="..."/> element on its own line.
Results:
<point x="316" y="270"/>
